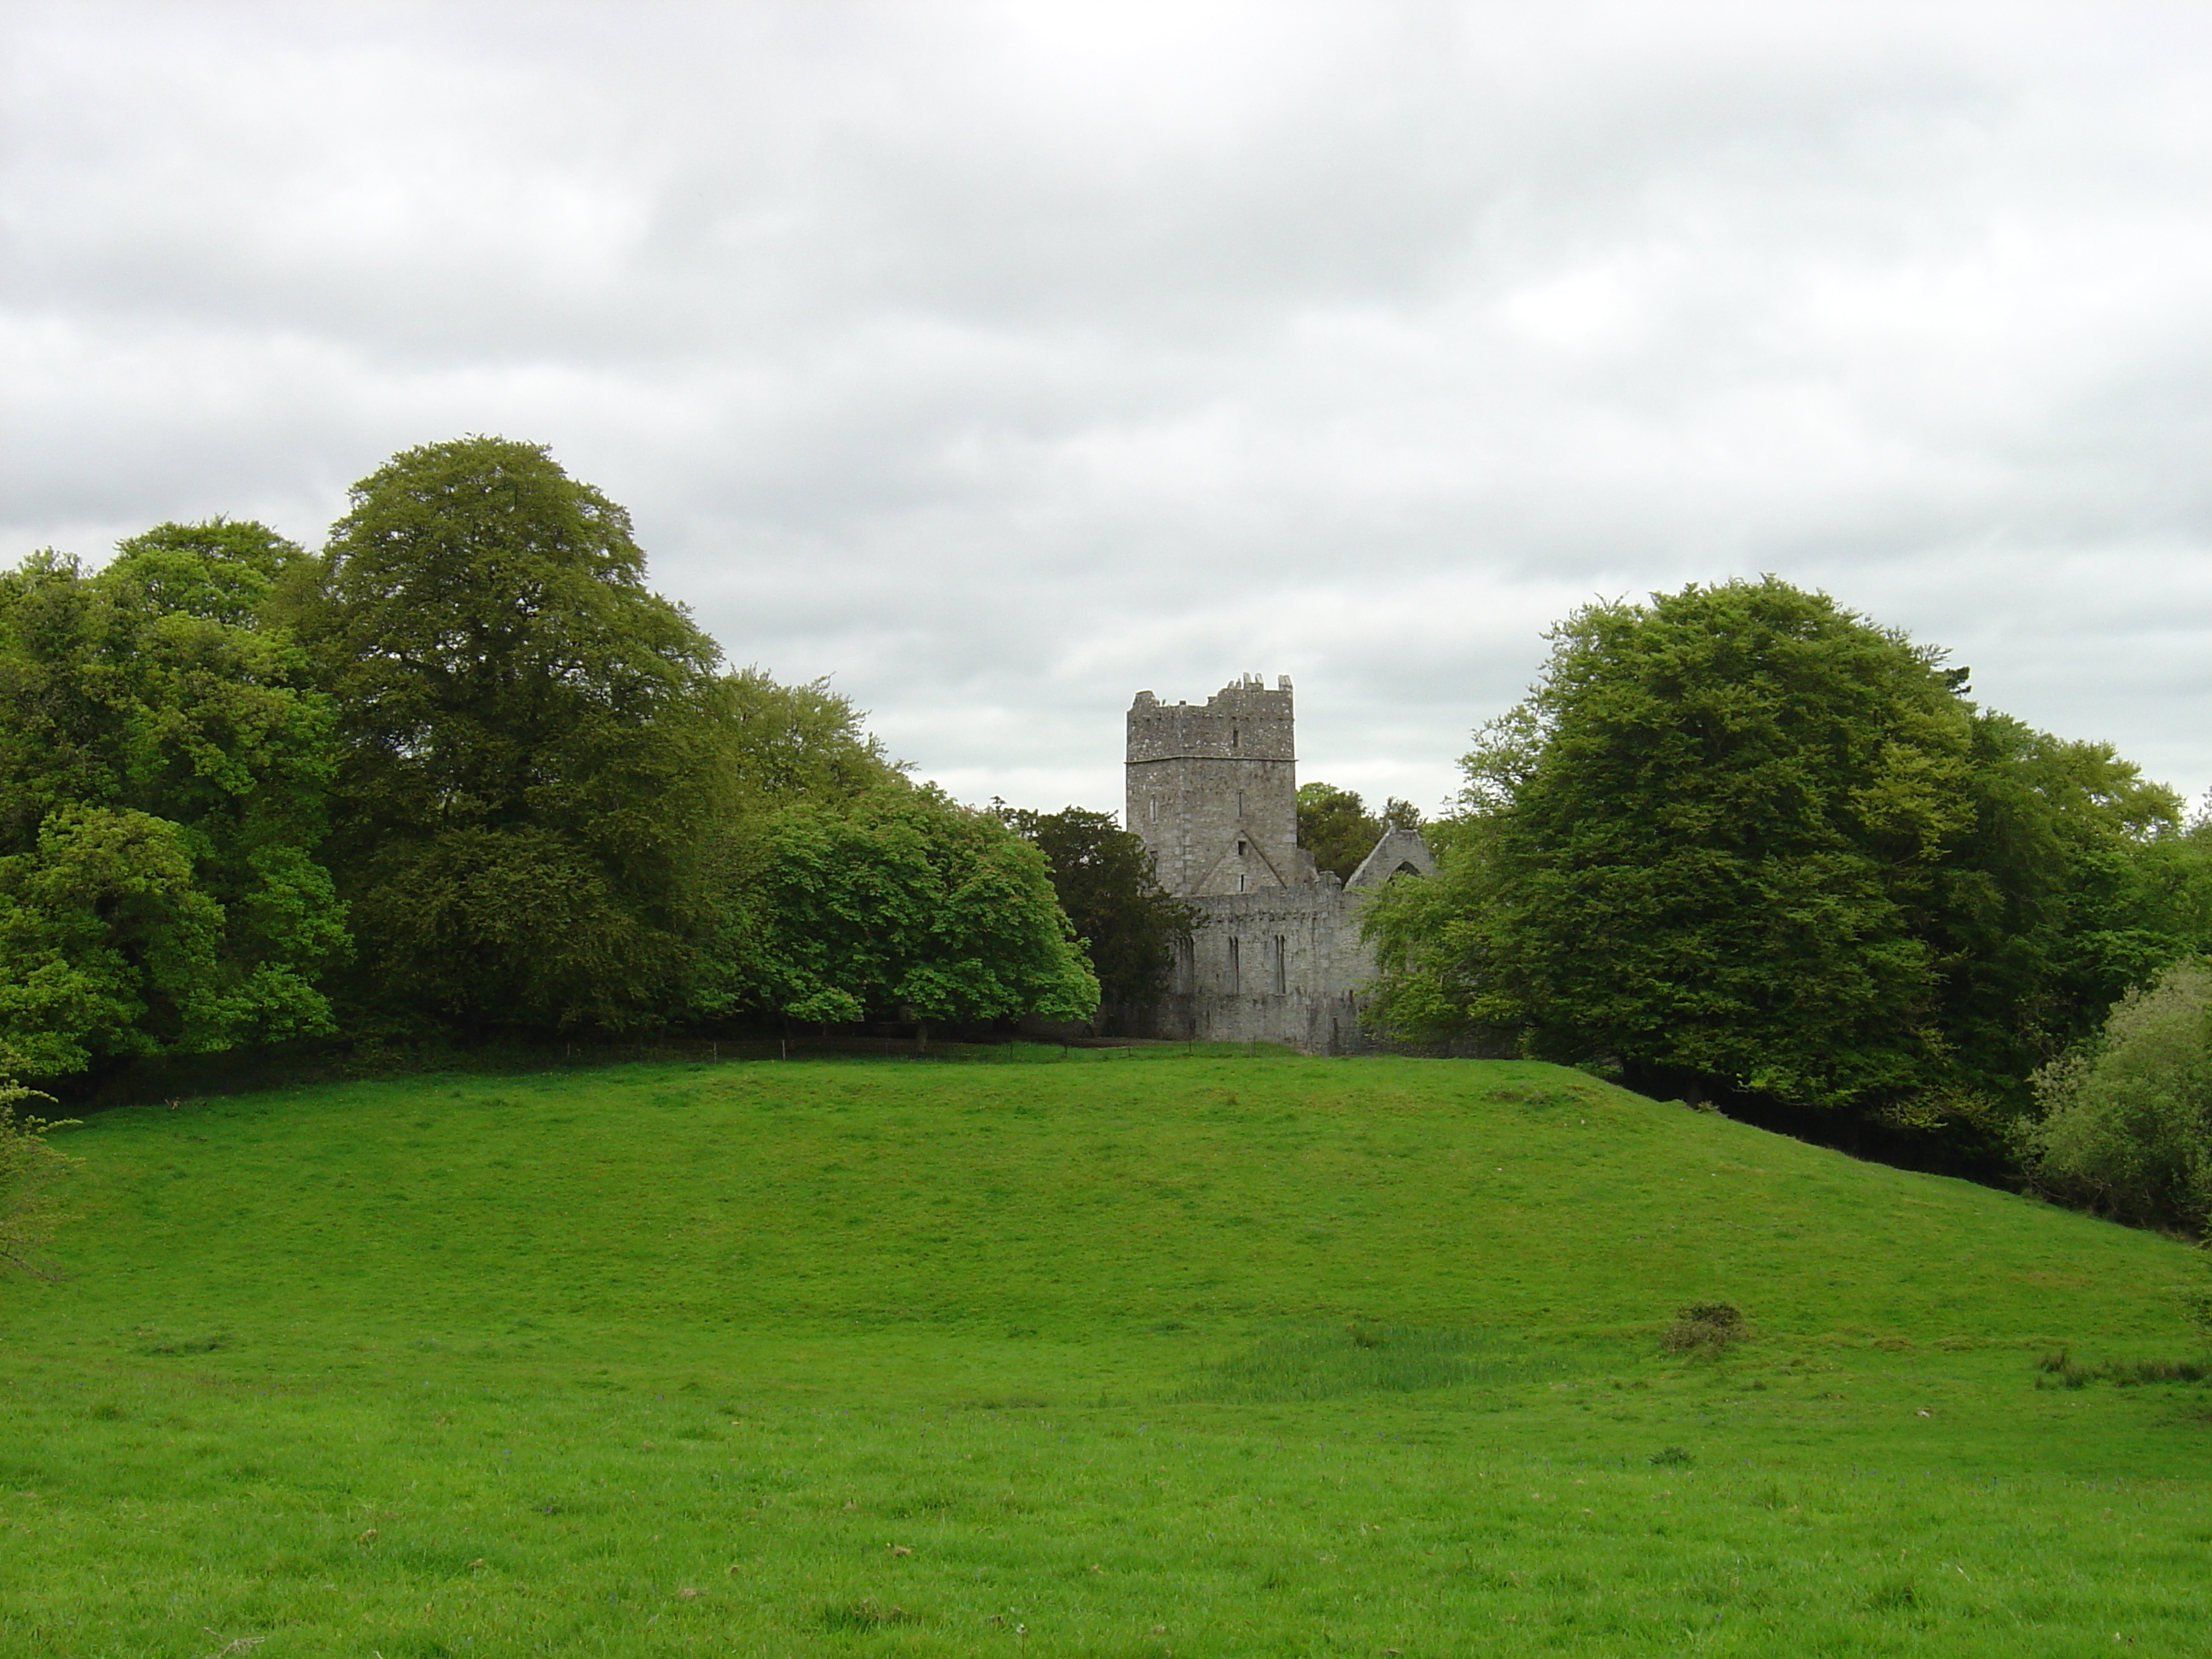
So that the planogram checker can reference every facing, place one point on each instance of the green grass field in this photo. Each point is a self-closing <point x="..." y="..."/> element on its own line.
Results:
<point x="1137" y="1354"/>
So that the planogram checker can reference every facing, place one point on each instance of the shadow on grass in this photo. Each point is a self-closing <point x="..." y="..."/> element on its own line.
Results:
<point x="1361" y="1358"/>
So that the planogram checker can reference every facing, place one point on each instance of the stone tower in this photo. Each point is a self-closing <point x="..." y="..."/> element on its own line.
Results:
<point x="1277" y="954"/>
<point x="1213" y="790"/>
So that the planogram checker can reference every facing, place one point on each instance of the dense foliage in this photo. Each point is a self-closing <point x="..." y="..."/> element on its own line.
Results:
<point x="462" y="772"/>
<point x="1741" y="842"/>
<point x="164" y="758"/>
<point x="1102" y="876"/>
<point x="2126" y="1119"/>
<point x="526" y="746"/>
<point x="907" y="906"/>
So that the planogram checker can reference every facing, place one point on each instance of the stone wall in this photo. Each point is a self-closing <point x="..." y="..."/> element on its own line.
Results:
<point x="1279" y="966"/>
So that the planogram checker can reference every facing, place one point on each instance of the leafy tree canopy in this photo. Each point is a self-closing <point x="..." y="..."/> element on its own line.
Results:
<point x="529" y="755"/>
<point x="793" y="742"/>
<point x="905" y="904"/>
<point x="164" y="765"/>
<point x="1102" y="876"/>
<point x="1740" y="840"/>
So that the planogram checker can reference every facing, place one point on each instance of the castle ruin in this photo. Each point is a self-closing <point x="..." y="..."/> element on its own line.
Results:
<point x="1213" y="790"/>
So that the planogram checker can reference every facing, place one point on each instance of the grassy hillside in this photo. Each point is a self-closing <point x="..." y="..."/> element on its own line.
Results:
<point x="1115" y="1356"/>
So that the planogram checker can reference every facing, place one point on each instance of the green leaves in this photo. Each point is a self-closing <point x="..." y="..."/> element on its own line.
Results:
<point x="163" y="769"/>
<point x="2126" y="1121"/>
<point x="906" y="904"/>
<point x="530" y="755"/>
<point x="1102" y="876"/>
<point x="1740" y="838"/>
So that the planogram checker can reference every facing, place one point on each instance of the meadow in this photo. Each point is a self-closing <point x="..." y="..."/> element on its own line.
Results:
<point x="1130" y="1353"/>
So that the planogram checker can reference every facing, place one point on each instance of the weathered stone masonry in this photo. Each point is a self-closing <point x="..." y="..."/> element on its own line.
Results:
<point x="1213" y="790"/>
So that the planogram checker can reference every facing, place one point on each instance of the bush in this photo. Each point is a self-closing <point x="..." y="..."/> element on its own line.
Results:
<point x="2125" y="1123"/>
<point x="1706" y="1325"/>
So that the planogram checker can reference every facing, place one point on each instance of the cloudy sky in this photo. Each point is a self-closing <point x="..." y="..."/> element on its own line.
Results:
<point x="1001" y="360"/>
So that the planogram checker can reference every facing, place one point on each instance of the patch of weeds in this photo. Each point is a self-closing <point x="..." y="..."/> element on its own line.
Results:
<point x="1705" y="1328"/>
<point x="1539" y="1096"/>
<point x="866" y="1614"/>
<point x="156" y="1343"/>
<point x="1670" y="1457"/>
<point x="1894" y="1596"/>
<point x="2071" y="1373"/>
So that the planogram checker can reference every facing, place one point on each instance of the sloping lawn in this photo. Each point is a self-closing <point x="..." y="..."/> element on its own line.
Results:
<point x="1130" y="1354"/>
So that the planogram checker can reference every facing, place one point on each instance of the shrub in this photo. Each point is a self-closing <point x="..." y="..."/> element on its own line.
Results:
<point x="2125" y="1123"/>
<point x="1710" y="1325"/>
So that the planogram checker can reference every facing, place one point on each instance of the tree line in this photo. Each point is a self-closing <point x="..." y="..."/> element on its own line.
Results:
<point x="1739" y="845"/>
<point x="462" y="772"/>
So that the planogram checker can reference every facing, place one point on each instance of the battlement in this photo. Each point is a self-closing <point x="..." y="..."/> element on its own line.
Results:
<point x="1244" y="721"/>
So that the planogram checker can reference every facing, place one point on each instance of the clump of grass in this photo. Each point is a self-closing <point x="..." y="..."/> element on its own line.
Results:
<point x="1670" y="1457"/>
<point x="2073" y="1374"/>
<point x="1706" y="1327"/>
<point x="866" y="1614"/>
<point x="215" y="1343"/>
<point x="1894" y="1596"/>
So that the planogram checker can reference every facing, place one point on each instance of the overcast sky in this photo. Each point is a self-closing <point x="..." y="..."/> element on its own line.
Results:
<point x="1000" y="360"/>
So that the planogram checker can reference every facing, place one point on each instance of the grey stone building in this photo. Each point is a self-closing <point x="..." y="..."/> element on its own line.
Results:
<point x="1212" y="789"/>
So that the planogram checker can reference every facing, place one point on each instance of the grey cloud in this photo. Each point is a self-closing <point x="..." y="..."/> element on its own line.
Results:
<point x="1000" y="360"/>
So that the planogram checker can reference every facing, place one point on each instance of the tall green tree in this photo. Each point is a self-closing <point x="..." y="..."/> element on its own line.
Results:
<point x="1102" y="876"/>
<point x="1743" y="841"/>
<point x="530" y="759"/>
<point x="164" y="764"/>
<point x="904" y="904"/>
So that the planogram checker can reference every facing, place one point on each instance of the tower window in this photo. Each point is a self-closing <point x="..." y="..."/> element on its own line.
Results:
<point x="1240" y="881"/>
<point x="1234" y="741"/>
<point x="1240" y="849"/>
<point x="1234" y="968"/>
<point x="1152" y="809"/>
<point x="1282" y="966"/>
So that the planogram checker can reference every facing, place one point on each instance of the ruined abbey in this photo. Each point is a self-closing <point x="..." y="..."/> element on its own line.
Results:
<point x="1213" y="790"/>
